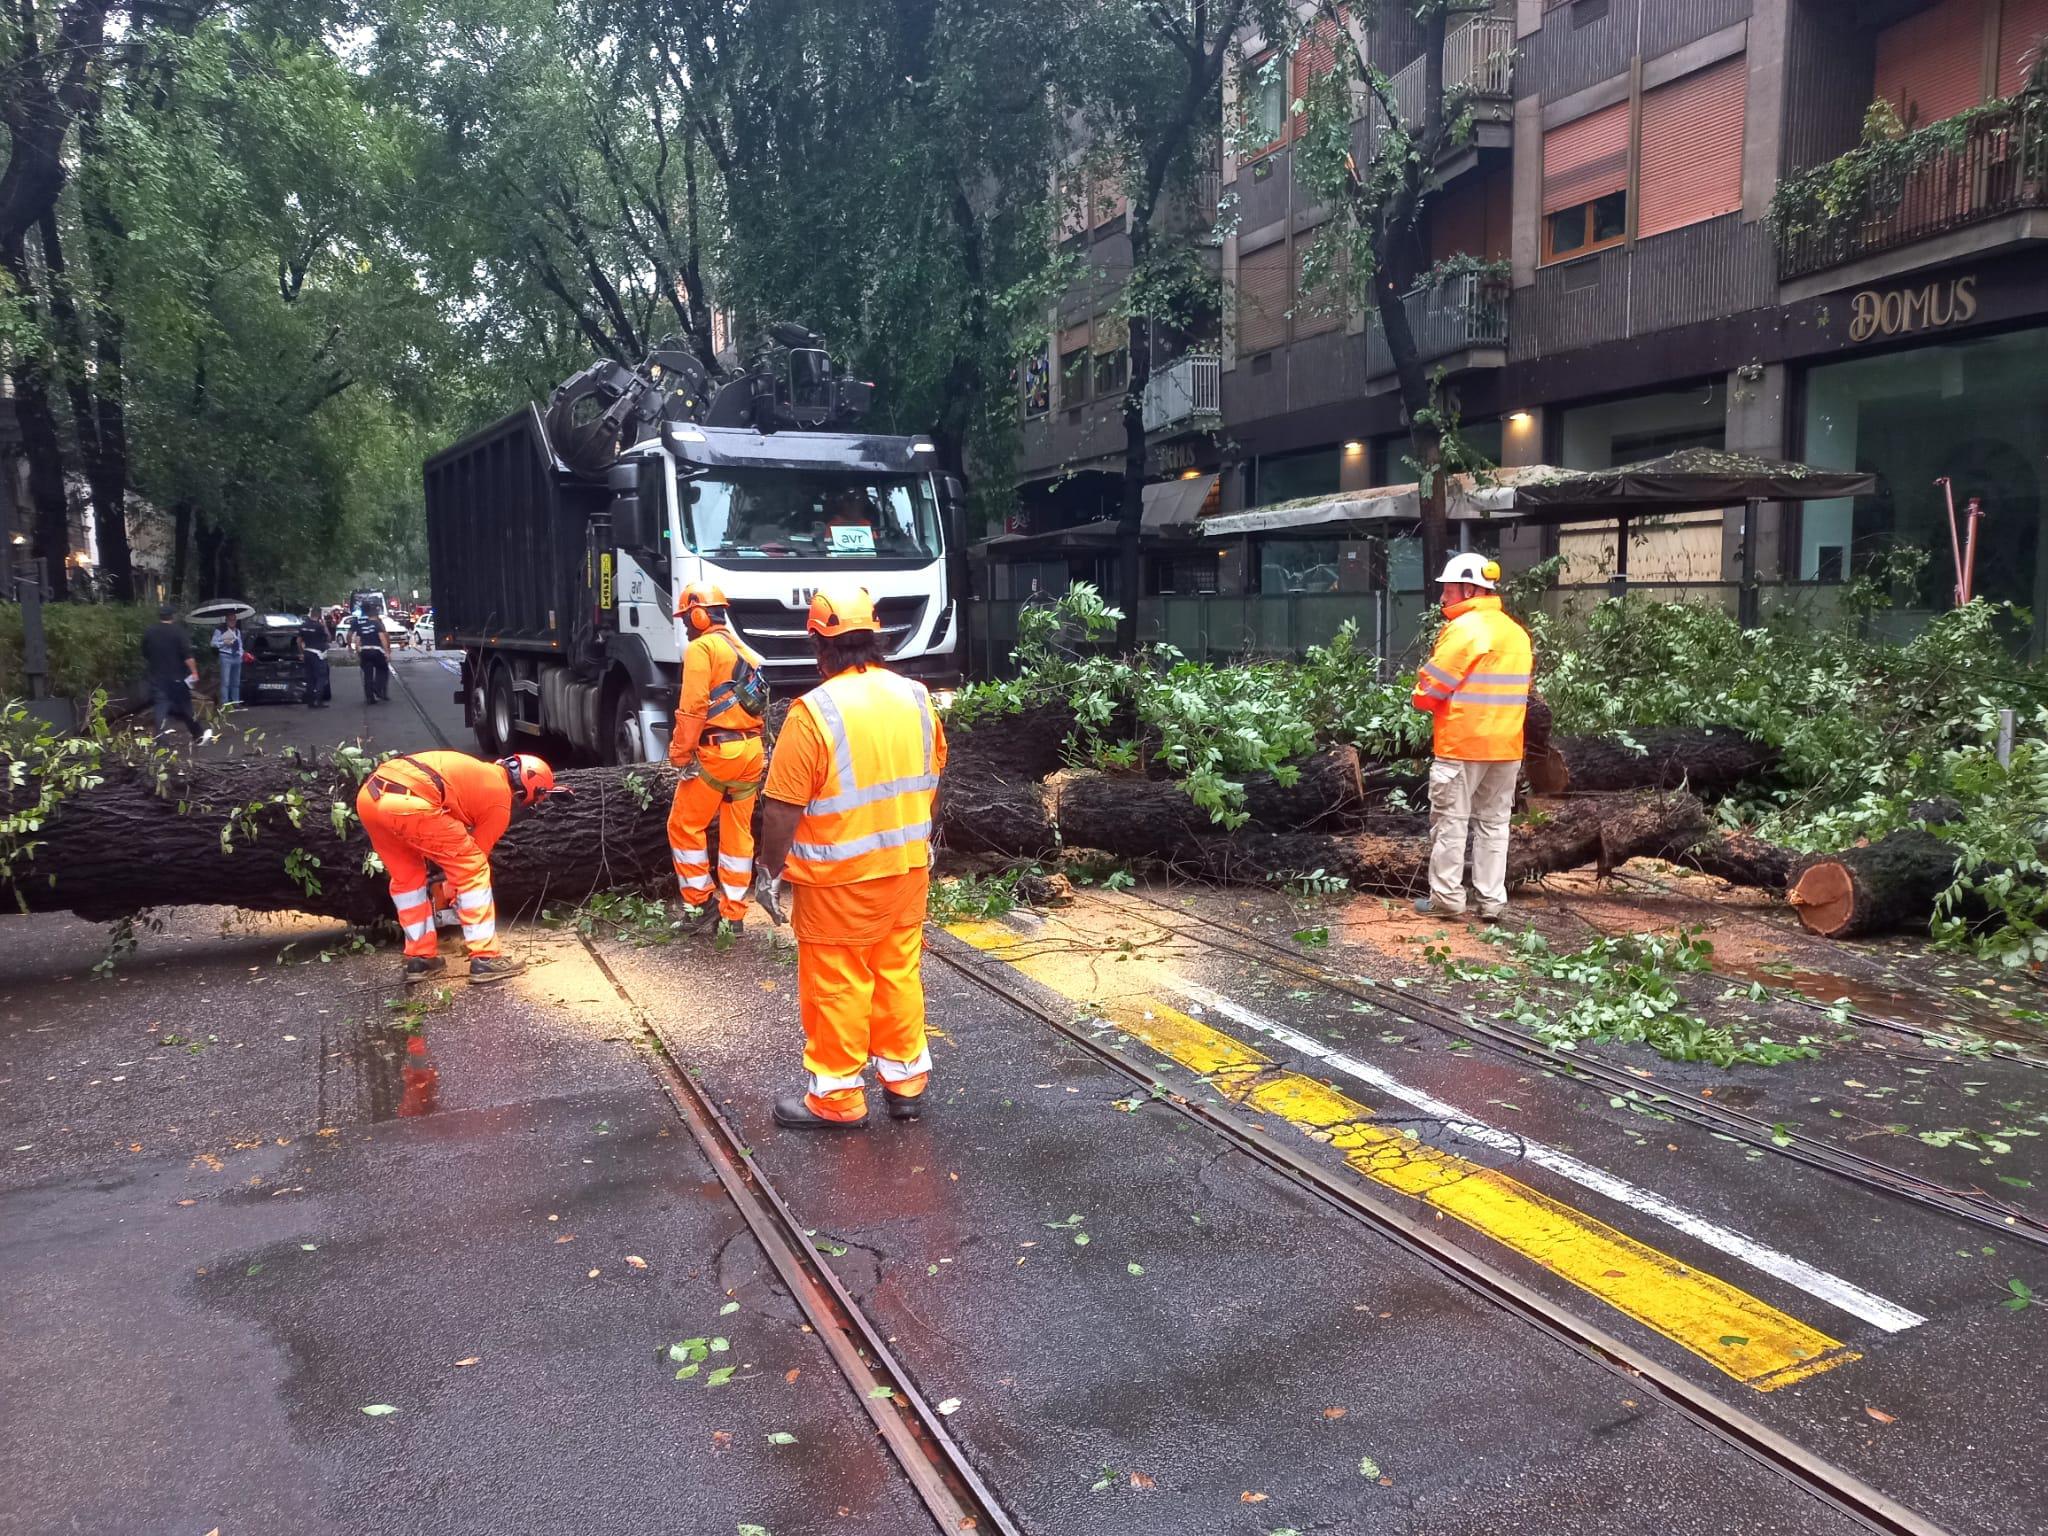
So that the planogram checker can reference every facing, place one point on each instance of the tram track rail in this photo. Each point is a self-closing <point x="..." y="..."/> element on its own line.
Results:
<point x="1833" y="1485"/>
<point x="938" y="1470"/>
<point x="1427" y="1013"/>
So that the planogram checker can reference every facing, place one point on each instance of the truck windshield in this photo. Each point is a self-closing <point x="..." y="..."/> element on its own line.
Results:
<point x="812" y="514"/>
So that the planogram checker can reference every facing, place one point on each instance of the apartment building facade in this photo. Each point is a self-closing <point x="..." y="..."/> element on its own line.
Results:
<point x="1626" y="296"/>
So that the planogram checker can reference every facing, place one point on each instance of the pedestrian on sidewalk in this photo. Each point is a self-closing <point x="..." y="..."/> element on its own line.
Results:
<point x="172" y="673"/>
<point x="448" y="808"/>
<point x="227" y="646"/>
<point x="847" y="824"/>
<point x="717" y="744"/>
<point x="373" y="652"/>
<point x="1476" y="686"/>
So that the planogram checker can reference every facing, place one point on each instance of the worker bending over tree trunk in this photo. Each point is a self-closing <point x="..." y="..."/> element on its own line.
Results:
<point x="450" y="809"/>
<point x="848" y="825"/>
<point x="717" y="744"/>
<point x="1476" y="685"/>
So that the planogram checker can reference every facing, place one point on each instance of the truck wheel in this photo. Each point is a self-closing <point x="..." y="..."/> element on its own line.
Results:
<point x="495" y="728"/>
<point x="622" y="743"/>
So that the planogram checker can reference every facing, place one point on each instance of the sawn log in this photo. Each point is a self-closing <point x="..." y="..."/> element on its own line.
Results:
<point x="1708" y="760"/>
<point x="1885" y="885"/>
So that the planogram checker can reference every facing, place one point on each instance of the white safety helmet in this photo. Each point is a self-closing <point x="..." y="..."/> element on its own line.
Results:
<point x="1472" y="571"/>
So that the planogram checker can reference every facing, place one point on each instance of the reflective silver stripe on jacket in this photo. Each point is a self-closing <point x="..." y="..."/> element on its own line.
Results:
<point x="1498" y="677"/>
<point x="852" y="794"/>
<point x="835" y="853"/>
<point x="1431" y="669"/>
<point x="1493" y="700"/>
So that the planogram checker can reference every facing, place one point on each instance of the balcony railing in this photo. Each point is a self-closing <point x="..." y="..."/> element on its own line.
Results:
<point x="1479" y="58"/>
<point x="1186" y="388"/>
<point x="1457" y="316"/>
<point x="1998" y="165"/>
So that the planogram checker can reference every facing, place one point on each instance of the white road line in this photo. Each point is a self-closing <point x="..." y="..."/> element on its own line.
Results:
<point x="1831" y="1289"/>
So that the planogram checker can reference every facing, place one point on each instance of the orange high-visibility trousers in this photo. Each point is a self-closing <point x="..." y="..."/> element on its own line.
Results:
<point x="862" y="1001"/>
<point x="407" y="833"/>
<point x="725" y="792"/>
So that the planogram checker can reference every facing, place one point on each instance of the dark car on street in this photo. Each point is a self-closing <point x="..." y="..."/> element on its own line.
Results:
<point x="277" y="676"/>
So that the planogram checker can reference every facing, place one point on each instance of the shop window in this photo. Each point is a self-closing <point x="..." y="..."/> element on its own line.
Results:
<point x="1691" y="167"/>
<point x="1968" y="410"/>
<point x="1644" y="427"/>
<point x="1292" y="476"/>
<point x="1185" y="575"/>
<point x="1585" y="183"/>
<point x="1262" y="89"/>
<point x="1298" y="565"/>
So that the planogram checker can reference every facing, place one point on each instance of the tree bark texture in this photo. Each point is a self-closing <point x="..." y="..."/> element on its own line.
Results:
<point x="1708" y="760"/>
<point x="1741" y="859"/>
<point x="130" y="844"/>
<point x="1882" y="886"/>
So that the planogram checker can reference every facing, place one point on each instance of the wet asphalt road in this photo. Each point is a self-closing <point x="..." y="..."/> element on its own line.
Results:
<point x="230" y="1221"/>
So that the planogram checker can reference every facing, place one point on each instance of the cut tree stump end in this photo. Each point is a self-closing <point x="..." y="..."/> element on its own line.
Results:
<point x="1824" y="896"/>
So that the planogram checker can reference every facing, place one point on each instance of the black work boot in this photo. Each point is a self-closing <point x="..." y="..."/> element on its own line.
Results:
<point x="792" y="1111"/>
<point x="904" y="1106"/>
<point x="419" y="967"/>
<point x="483" y="968"/>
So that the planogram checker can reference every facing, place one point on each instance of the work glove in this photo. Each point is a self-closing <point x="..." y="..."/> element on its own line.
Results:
<point x="772" y="891"/>
<point x="691" y="770"/>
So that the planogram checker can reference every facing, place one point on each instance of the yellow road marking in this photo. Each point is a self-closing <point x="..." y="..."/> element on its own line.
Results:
<point x="1727" y="1327"/>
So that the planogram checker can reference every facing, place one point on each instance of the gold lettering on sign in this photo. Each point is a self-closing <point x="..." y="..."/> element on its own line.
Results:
<point x="1903" y="311"/>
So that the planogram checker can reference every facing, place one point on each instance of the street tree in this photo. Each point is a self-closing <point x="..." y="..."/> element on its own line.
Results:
<point x="1374" y="162"/>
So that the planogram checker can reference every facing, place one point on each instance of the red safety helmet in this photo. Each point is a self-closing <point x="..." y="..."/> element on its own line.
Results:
<point x="841" y="613"/>
<point x="532" y="780"/>
<point x="695" y="606"/>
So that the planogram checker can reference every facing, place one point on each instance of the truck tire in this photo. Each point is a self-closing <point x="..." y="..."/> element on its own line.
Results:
<point x="622" y="741"/>
<point x="495" y="726"/>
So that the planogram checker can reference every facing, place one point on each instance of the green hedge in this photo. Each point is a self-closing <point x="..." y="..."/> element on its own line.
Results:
<point x="91" y="646"/>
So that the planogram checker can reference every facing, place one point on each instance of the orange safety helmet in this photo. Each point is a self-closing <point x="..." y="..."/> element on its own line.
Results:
<point x="841" y="613"/>
<point x="532" y="780"/>
<point x="695" y="605"/>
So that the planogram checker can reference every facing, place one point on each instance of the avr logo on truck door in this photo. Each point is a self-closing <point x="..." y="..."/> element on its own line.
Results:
<point x="800" y="597"/>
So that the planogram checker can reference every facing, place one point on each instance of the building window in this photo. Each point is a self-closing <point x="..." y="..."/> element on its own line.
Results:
<point x="1585" y="183"/>
<point x="1297" y="565"/>
<point x="1313" y="60"/>
<point x="1320" y="303"/>
<point x="1074" y="365"/>
<point x="1645" y="427"/>
<point x="1183" y="575"/>
<point x="1691" y="167"/>
<point x="1112" y="356"/>
<point x="1969" y="410"/>
<point x="1262" y="89"/>
<point x="1035" y="382"/>
<point x="1293" y="476"/>
<point x="1265" y="292"/>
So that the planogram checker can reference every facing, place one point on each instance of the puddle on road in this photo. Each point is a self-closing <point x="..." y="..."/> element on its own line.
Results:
<point x="1920" y="1009"/>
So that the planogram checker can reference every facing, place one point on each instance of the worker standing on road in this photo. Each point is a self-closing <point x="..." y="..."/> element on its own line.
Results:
<point x="848" y="824"/>
<point x="717" y="744"/>
<point x="448" y="808"/>
<point x="1476" y="685"/>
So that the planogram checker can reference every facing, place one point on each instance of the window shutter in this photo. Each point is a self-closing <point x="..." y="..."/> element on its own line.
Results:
<point x="1316" y="57"/>
<point x="1263" y="281"/>
<point x="1319" y="310"/>
<point x="1586" y="158"/>
<point x="1931" y="66"/>
<point x="1692" y="148"/>
<point x="1457" y="220"/>
<point x="2020" y="30"/>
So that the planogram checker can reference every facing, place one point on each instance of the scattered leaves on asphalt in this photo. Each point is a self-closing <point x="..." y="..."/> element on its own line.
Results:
<point x="753" y="1530"/>
<point x="1879" y="1414"/>
<point x="1734" y="1340"/>
<point x="782" y="1437"/>
<point x="1134" y="1269"/>
<point x="471" y="1360"/>
<point x="721" y="1376"/>
<point x="634" y="1261"/>
<point x="728" y="1309"/>
<point x="1140" y="1480"/>
<point x="950" y="1405"/>
<point x="792" y="1374"/>
<point x="1333" y="1413"/>
<point x="2021" y="1298"/>
<point x="881" y="1391"/>
<point x="1367" y="1467"/>
<point x="1080" y="1239"/>
<point x="1252" y="1498"/>
<point x="379" y="1410"/>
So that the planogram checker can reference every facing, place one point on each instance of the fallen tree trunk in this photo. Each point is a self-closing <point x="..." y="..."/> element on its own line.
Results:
<point x="260" y="833"/>
<point x="1885" y="885"/>
<point x="1604" y="831"/>
<point x="1708" y="760"/>
<point x="1741" y="859"/>
<point x="980" y="811"/>
<point x="1144" y="817"/>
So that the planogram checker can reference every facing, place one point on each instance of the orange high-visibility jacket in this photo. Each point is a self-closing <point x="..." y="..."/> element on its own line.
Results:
<point x="473" y="790"/>
<point x="707" y="698"/>
<point x="1476" y="683"/>
<point x="872" y="816"/>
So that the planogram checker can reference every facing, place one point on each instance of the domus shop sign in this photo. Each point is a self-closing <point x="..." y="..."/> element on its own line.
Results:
<point x="1875" y="313"/>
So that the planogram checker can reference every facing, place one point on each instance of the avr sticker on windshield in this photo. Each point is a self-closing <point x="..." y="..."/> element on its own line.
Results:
<point x="856" y="540"/>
